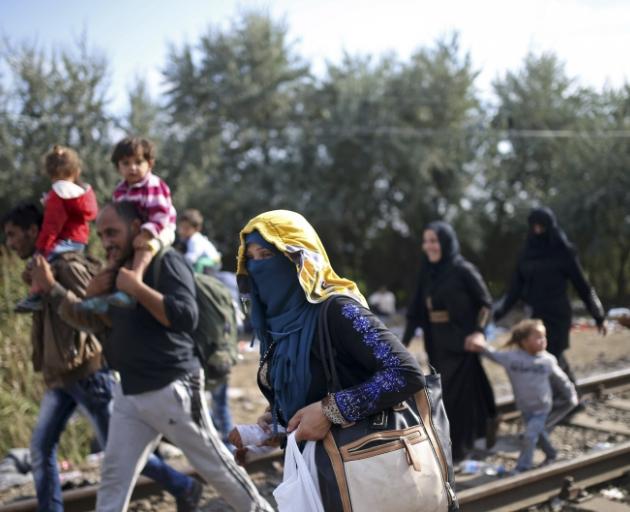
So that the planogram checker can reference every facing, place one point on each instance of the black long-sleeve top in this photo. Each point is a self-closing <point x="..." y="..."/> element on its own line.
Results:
<point x="542" y="283"/>
<point x="374" y="368"/>
<point x="461" y="292"/>
<point x="147" y="354"/>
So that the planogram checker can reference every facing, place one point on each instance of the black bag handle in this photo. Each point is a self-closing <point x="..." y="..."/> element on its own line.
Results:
<point x="326" y="349"/>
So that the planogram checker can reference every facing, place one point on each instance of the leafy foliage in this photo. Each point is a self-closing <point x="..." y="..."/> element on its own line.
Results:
<point x="369" y="152"/>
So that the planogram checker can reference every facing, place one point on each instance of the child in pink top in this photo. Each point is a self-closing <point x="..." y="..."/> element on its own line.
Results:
<point x="68" y="208"/>
<point x="134" y="158"/>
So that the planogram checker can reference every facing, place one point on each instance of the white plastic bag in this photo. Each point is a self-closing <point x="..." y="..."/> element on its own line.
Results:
<point x="299" y="490"/>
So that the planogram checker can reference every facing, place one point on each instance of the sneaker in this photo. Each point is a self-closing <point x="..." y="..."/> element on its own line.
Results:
<point x="98" y="305"/>
<point x="190" y="499"/>
<point x="29" y="304"/>
<point x="121" y="300"/>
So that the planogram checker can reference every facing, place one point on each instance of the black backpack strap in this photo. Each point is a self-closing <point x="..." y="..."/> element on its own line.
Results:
<point x="326" y="349"/>
<point x="157" y="264"/>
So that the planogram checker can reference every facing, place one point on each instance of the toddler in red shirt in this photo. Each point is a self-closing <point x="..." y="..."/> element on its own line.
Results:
<point x="68" y="208"/>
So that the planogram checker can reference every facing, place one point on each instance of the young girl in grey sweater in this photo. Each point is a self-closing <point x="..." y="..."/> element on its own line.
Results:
<point x="536" y="380"/>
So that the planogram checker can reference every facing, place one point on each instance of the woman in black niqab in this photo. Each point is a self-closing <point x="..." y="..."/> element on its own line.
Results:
<point x="452" y="304"/>
<point x="547" y="263"/>
<point x="545" y="236"/>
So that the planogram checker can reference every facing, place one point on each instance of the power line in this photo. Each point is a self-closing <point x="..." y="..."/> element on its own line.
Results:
<point x="357" y="130"/>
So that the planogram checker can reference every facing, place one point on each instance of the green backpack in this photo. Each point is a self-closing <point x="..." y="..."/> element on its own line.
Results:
<point x="216" y="336"/>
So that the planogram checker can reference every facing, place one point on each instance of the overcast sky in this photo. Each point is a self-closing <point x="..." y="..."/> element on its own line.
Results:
<point x="591" y="36"/>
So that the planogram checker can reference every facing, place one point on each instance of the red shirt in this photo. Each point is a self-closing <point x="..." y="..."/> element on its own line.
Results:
<point x="67" y="210"/>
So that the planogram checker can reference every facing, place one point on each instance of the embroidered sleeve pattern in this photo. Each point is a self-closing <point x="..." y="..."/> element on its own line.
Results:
<point x="362" y="400"/>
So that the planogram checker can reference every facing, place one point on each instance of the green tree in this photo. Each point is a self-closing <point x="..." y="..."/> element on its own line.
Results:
<point x="394" y="153"/>
<point x="56" y="98"/>
<point x="539" y="109"/>
<point x="595" y="194"/>
<point x="525" y="156"/>
<point x="144" y="117"/>
<point x="232" y="102"/>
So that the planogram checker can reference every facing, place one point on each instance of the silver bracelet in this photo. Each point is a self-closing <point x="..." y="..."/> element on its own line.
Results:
<point x="331" y="410"/>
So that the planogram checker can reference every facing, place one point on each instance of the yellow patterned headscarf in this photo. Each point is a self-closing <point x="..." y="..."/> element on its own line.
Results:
<point x="291" y="234"/>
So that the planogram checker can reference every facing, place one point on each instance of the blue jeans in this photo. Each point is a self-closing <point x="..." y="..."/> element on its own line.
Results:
<point x="535" y="434"/>
<point x="221" y="416"/>
<point x="93" y="396"/>
<point x="65" y="246"/>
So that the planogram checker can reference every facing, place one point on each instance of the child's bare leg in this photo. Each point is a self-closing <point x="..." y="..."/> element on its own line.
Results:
<point x="141" y="260"/>
<point x="145" y="246"/>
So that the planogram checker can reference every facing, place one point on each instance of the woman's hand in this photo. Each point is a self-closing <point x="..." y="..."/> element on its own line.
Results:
<point x="309" y="423"/>
<point x="264" y="422"/>
<point x="475" y="342"/>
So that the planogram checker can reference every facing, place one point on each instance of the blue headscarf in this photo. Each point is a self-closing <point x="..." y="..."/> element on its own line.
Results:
<point x="281" y="314"/>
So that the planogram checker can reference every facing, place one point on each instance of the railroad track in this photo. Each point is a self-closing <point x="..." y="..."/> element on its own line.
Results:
<point x="536" y="487"/>
<point x="507" y="494"/>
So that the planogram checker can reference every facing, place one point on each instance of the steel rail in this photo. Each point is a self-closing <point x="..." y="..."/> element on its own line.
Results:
<point x="82" y="499"/>
<point x="538" y="486"/>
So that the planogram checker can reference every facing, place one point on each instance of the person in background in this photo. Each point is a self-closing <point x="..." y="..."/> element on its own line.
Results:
<point x="383" y="302"/>
<point x="452" y="305"/>
<point x="68" y="208"/>
<point x="536" y="377"/>
<point x="161" y="379"/>
<point x="547" y="263"/>
<point x="74" y="373"/>
<point x="203" y="255"/>
<point x="199" y="251"/>
<point x="205" y="259"/>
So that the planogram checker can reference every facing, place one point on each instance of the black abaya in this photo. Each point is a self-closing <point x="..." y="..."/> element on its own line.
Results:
<point x="454" y="288"/>
<point x="546" y="265"/>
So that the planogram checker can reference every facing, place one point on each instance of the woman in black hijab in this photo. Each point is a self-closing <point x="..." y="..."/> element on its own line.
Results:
<point x="452" y="304"/>
<point x="546" y="264"/>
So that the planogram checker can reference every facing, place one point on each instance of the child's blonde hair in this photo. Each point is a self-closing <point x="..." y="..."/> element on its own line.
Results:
<point x="522" y="330"/>
<point x="62" y="163"/>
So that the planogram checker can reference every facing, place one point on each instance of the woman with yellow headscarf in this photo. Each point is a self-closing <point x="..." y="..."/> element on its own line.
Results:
<point x="284" y="268"/>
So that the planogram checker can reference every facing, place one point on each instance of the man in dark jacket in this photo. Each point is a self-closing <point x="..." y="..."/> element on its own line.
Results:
<point x="70" y="361"/>
<point x="161" y="386"/>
